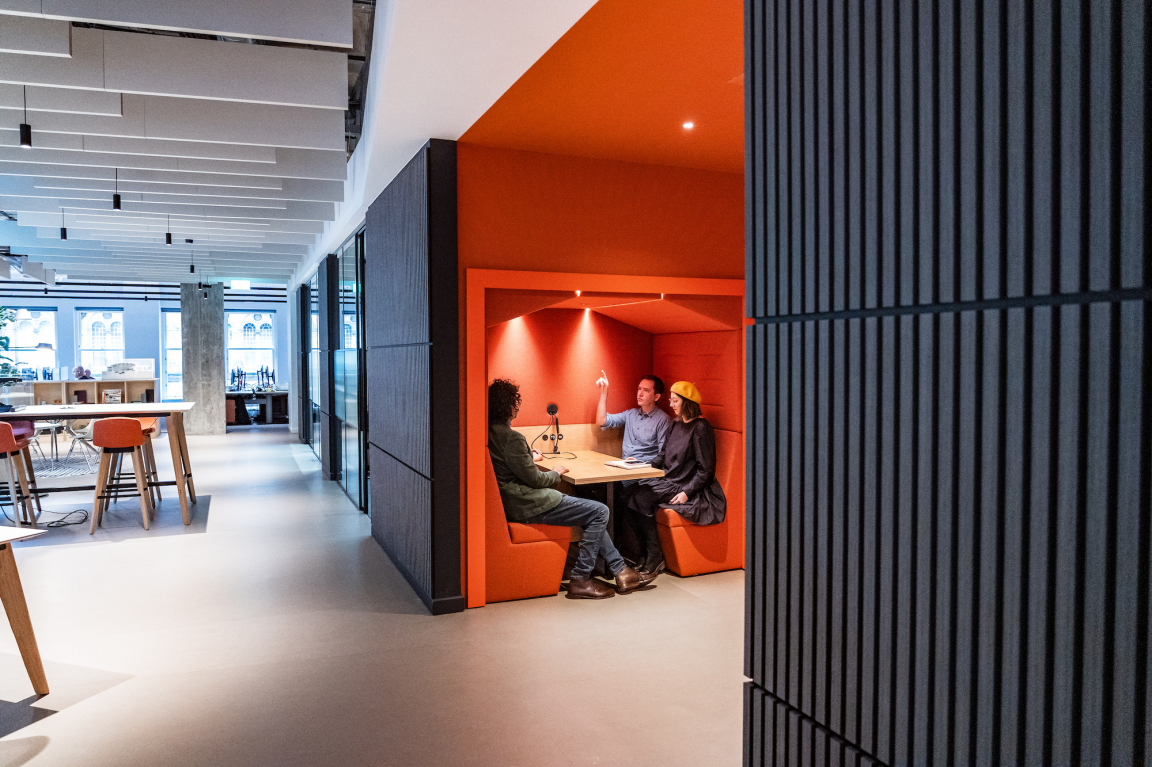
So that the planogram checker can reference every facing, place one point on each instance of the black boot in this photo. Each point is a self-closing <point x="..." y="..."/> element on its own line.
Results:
<point x="654" y="555"/>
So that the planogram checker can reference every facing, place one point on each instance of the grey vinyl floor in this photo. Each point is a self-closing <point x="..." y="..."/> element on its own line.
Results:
<point x="278" y="633"/>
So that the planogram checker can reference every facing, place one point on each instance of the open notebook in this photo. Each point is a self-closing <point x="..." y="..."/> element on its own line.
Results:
<point x="628" y="464"/>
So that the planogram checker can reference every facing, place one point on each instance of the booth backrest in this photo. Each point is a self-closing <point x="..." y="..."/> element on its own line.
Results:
<point x="730" y="469"/>
<point x="495" y="523"/>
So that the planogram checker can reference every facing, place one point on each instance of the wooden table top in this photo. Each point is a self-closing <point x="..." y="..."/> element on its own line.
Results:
<point x="131" y="409"/>
<point x="9" y="534"/>
<point x="588" y="467"/>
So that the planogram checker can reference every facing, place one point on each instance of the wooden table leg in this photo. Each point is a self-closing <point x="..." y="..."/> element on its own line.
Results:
<point x="184" y="456"/>
<point x="172" y="423"/>
<point x="12" y="594"/>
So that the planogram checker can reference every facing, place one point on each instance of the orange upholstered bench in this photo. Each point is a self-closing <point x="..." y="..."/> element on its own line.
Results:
<point x="690" y="549"/>
<point x="522" y="560"/>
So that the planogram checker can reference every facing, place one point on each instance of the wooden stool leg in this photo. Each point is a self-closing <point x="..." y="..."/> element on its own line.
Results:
<point x="27" y="454"/>
<point x="12" y="594"/>
<point x="141" y="484"/>
<point x="155" y="474"/>
<point x="29" y="515"/>
<point x="10" y="465"/>
<point x="101" y="481"/>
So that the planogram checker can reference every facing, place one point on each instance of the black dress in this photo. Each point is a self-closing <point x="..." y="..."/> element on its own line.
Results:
<point x="689" y="462"/>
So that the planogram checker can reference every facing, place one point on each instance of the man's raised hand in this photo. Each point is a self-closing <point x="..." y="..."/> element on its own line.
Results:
<point x="602" y="382"/>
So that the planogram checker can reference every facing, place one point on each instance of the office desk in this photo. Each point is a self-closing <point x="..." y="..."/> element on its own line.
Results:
<point x="171" y="412"/>
<point x="12" y="595"/>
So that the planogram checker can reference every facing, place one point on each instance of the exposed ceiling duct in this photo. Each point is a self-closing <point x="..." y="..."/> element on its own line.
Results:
<point x="232" y="120"/>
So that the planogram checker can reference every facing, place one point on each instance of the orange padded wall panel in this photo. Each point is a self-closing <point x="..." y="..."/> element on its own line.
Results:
<point x="712" y="361"/>
<point x="552" y="213"/>
<point x="556" y="355"/>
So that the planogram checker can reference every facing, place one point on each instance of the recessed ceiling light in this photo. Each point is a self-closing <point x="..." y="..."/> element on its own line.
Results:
<point x="689" y="125"/>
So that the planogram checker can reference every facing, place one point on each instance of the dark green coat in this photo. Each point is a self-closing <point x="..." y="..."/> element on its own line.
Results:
<point x="525" y="490"/>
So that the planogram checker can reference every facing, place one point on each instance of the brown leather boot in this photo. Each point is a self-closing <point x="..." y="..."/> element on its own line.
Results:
<point x="589" y="588"/>
<point x="628" y="580"/>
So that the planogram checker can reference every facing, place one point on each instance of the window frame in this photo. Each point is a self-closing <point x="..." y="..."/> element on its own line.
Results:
<point x="80" y="349"/>
<point x="164" y="349"/>
<point x="228" y="347"/>
<point x="12" y="350"/>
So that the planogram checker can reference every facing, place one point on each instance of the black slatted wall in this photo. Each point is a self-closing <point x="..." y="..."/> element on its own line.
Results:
<point x="412" y="334"/>
<point x="304" y="330"/>
<point x="329" y="325"/>
<point x="949" y="394"/>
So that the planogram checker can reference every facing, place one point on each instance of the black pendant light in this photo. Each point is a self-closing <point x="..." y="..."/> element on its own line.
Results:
<point x="168" y="235"/>
<point x="192" y="265"/>
<point x="116" y="192"/>
<point x="25" y="128"/>
<point x="63" y="229"/>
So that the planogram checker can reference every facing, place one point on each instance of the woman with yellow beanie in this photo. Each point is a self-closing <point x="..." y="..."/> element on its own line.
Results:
<point x="689" y="485"/>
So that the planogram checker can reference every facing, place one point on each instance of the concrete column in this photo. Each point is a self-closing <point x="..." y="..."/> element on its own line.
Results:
<point x="202" y="334"/>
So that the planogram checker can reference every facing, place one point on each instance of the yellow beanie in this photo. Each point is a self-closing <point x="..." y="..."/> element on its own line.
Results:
<point x="687" y="390"/>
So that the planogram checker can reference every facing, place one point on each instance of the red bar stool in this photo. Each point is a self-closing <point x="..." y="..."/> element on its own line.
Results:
<point x="116" y="437"/>
<point x="13" y="451"/>
<point x="151" y="428"/>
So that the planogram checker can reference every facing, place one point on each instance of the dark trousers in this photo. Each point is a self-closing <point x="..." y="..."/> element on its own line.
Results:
<point x="591" y="517"/>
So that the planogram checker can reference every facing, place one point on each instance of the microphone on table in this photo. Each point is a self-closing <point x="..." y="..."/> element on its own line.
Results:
<point x="557" y="436"/>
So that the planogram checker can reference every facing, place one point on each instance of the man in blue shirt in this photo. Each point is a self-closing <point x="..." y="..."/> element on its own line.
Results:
<point x="646" y="427"/>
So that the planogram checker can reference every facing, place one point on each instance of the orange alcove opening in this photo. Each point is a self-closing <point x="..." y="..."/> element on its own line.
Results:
<point x="555" y="343"/>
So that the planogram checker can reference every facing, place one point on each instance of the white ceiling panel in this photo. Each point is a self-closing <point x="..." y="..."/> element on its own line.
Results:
<point x="35" y="36"/>
<point x="319" y="22"/>
<point x="84" y="69"/>
<point x="209" y="69"/>
<point x="71" y="100"/>
<point x="236" y="145"/>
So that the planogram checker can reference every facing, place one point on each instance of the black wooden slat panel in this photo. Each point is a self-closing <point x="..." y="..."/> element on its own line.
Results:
<point x="1099" y="156"/>
<point x="1010" y="616"/>
<point x="822" y="536"/>
<point x="1132" y="153"/>
<point x="987" y="552"/>
<point x="949" y="535"/>
<point x="399" y="404"/>
<point x="1072" y="178"/>
<point x="400" y="520"/>
<point x="1044" y="163"/>
<point x="396" y="256"/>
<point x="904" y="615"/>
<point x="1125" y="607"/>
<point x="412" y="362"/>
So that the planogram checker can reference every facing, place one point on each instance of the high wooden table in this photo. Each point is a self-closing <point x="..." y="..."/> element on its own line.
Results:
<point x="171" y="412"/>
<point x="590" y="466"/>
<point x="12" y="595"/>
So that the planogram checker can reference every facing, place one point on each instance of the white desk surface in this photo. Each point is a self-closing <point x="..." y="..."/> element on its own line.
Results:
<point x="9" y="534"/>
<point x="130" y="409"/>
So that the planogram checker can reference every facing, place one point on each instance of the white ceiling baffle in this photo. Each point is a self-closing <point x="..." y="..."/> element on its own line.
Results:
<point x="222" y="123"/>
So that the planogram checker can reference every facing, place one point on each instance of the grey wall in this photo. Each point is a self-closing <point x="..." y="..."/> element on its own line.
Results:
<point x="202" y="338"/>
<point x="412" y="333"/>
<point x="949" y="404"/>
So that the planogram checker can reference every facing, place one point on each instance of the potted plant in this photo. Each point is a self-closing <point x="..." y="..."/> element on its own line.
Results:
<point x="7" y="369"/>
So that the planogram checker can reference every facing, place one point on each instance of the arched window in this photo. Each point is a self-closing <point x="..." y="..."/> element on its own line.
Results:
<point x="249" y="334"/>
<point x="349" y="336"/>
<point x="99" y="335"/>
<point x="117" y="335"/>
<point x="266" y="334"/>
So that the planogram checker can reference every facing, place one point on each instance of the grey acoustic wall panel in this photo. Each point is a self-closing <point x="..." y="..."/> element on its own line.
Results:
<point x="412" y="334"/>
<point x="949" y="394"/>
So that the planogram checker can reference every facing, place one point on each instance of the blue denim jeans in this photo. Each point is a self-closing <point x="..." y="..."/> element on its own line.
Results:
<point x="592" y="517"/>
